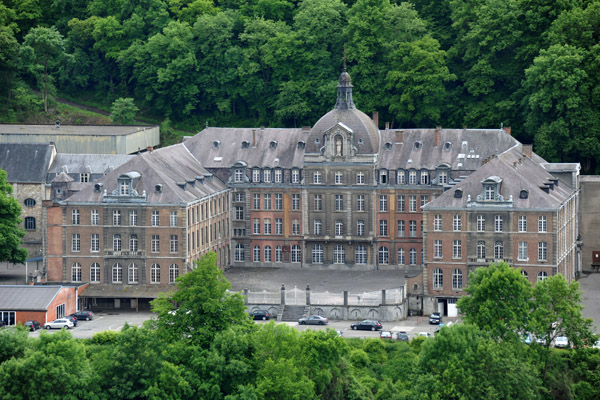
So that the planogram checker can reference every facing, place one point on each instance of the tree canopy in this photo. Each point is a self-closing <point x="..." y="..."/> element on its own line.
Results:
<point x="11" y="236"/>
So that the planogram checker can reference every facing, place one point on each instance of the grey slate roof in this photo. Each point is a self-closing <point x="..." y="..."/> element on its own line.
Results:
<point x="85" y="130"/>
<point x="91" y="163"/>
<point x="461" y="149"/>
<point x="517" y="173"/>
<point x="166" y="166"/>
<point x="26" y="163"/>
<point x="27" y="298"/>
<point x="286" y="154"/>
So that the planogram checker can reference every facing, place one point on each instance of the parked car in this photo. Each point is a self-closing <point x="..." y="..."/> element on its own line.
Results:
<point x="72" y="319"/>
<point x="402" y="336"/>
<point x="59" y="324"/>
<point x="83" y="315"/>
<point x="561" y="342"/>
<point x="260" y="314"/>
<point x="425" y="334"/>
<point x="313" y="320"/>
<point x="385" y="335"/>
<point x="33" y="325"/>
<point x="367" y="325"/>
<point x="435" y="318"/>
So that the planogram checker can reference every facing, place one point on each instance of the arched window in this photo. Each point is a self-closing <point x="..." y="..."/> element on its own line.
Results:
<point x="401" y="257"/>
<point x="267" y="253"/>
<point x="133" y="273"/>
<point x="239" y="252"/>
<point x="278" y="254"/>
<point x="95" y="272"/>
<point x="173" y="272"/>
<point x="133" y="243"/>
<point x="117" y="242"/>
<point x="525" y="274"/>
<point x="29" y="202"/>
<point x="339" y="254"/>
<point x="542" y="275"/>
<point x="256" y="254"/>
<point x="155" y="273"/>
<point x="296" y="254"/>
<point x="76" y="272"/>
<point x="383" y="255"/>
<point x="412" y="257"/>
<point x="438" y="279"/>
<point x="457" y="279"/>
<point x="117" y="273"/>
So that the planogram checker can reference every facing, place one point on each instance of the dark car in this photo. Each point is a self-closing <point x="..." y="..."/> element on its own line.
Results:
<point x="313" y="320"/>
<point x="367" y="325"/>
<point x="33" y="325"/>
<point x="72" y="319"/>
<point x="83" y="315"/>
<point x="402" y="336"/>
<point x="260" y="314"/>
<point x="435" y="318"/>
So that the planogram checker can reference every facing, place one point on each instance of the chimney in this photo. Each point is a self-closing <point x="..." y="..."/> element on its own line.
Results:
<point x="253" y="137"/>
<point x="527" y="150"/>
<point x="437" y="135"/>
<point x="399" y="136"/>
<point x="387" y="126"/>
<point x="506" y="129"/>
<point x="376" y="118"/>
<point x="306" y="128"/>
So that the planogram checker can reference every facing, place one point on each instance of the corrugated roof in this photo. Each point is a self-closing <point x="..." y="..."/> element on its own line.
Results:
<point x="91" y="163"/>
<point x="25" y="163"/>
<point x="86" y="130"/>
<point x="27" y="298"/>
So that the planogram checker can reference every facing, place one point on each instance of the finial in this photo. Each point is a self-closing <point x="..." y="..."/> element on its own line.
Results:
<point x="344" y="58"/>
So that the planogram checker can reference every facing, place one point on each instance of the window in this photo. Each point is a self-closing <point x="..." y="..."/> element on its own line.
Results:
<point x="360" y="178"/>
<point x="437" y="223"/>
<point x="437" y="248"/>
<point x="278" y="176"/>
<point x="424" y="200"/>
<point x="522" y="223"/>
<point x="267" y="226"/>
<point x="424" y="178"/>
<point x="75" y="217"/>
<point x="278" y="226"/>
<point x="256" y="226"/>
<point x="442" y="177"/>
<point x="412" y="228"/>
<point x="383" y="177"/>
<point x="239" y="252"/>
<point x="267" y="175"/>
<point x="95" y="242"/>
<point x="133" y="243"/>
<point x="95" y="272"/>
<point x="295" y="227"/>
<point x="438" y="278"/>
<point x="542" y="275"/>
<point x="457" y="249"/>
<point x="132" y="273"/>
<point x="317" y="227"/>
<point x="174" y="244"/>
<point x="383" y="227"/>
<point x="412" y="177"/>
<point x="116" y="217"/>
<point x="412" y="257"/>
<point x="155" y="273"/>
<point x="76" y="272"/>
<point x="132" y="217"/>
<point x="499" y="250"/>
<point x="400" y="179"/>
<point x="117" y="242"/>
<point x="318" y="202"/>
<point x="75" y="242"/>
<point x="117" y="273"/>
<point x="255" y="175"/>
<point x="317" y="254"/>
<point x="401" y="257"/>
<point x="457" y="223"/>
<point x="339" y="202"/>
<point x="480" y="223"/>
<point x="295" y="202"/>
<point x="498" y="223"/>
<point x="238" y="175"/>
<point x="383" y="201"/>
<point x="457" y="279"/>
<point x="278" y="201"/>
<point x="30" y="223"/>
<point x="489" y="192"/>
<point x="401" y="228"/>
<point x="29" y="202"/>
<point x="412" y="203"/>
<point x="296" y="254"/>
<point x="94" y="217"/>
<point x="360" y="255"/>
<point x="401" y="203"/>
<point x="481" y="250"/>
<point x="360" y="202"/>
<point x="155" y="220"/>
<point x="339" y="254"/>
<point x="522" y="254"/>
<point x="542" y="251"/>
<point x="267" y="201"/>
<point x="256" y="201"/>
<point x="155" y="244"/>
<point x="124" y="187"/>
<point x="360" y="228"/>
<point x="383" y="255"/>
<point x="84" y="177"/>
<point x="339" y="228"/>
<point x="278" y="254"/>
<point x="173" y="272"/>
<point x="295" y="176"/>
<point x="239" y="213"/>
<point x="339" y="178"/>
<point x="542" y="224"/>
<point x="268" y="254"/>
<point x="256" y="254"/>
<point x="173" y="218"/>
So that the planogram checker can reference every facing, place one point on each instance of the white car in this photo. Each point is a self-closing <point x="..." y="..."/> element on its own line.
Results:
<point x="561" y="342"/>
<point x="59" y="324"/>
<point x="425" y="334"/>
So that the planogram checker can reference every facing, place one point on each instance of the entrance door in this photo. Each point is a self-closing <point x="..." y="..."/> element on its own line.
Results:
<point x="452" y="310"/>
<point x="441" y="307"/>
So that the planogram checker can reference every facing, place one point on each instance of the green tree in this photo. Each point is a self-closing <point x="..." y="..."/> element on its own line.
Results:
<point x="123" y="111"/>
<point x="200" y="305"/>
<point x="498" y="301"/>
<point x="12" y="343"/>
<point x="11" y="236"/>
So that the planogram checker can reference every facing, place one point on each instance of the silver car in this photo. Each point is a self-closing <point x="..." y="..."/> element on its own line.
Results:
<point x="313" y="320"/>
<point x="59" y="324"/>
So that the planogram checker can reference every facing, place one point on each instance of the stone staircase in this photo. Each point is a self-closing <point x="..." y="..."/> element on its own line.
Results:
<point x="292" y="313"/>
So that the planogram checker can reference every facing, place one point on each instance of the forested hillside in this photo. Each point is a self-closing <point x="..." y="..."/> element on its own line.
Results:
<point x="529" y="64"/>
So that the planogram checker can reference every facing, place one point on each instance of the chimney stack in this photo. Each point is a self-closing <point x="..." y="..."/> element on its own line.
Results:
<point x="399" y="136"/>
<point x="528" y="150"/>
<point x="506" y="129"/>
<point x="253" y="137"/>
<point x="437" y="135"/>
<point x="376" y="118"/>
<point x="387" y="126"/>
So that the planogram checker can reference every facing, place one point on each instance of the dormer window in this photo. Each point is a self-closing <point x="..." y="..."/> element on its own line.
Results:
<point x="489" y="192"/>
<point x="424" y="178"/>
<point x="124" y="187"/>
<point x="447" y="146"/>
<point x="360" y="141"/>
<point x="273" y="144"/>
<point x="418" y="145"/>
<point x="245" y="144"/>
<point x="523" y="194"/>
<point x="400" y="177"/>
<point x="388" y="146"/>
<point x="458" y="194"/>
<point x="238" y="175"/>
<point x="216" y="144"/>
<point x="255" y="175"/>
<point x="383" y="176"/>
<point x="301" y="145"/>
<point x="317" y="140"/>
<point x="267" y="175"/>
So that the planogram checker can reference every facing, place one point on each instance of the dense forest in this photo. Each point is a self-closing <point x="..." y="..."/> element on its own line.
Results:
<point x="532" y="65"/>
